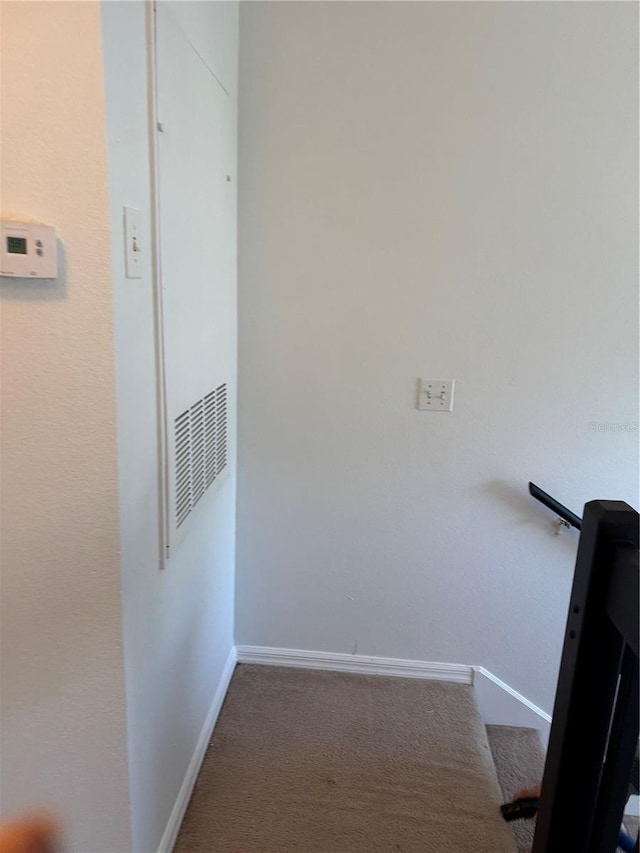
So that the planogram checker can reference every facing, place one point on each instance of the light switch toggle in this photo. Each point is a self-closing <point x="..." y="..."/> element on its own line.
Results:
<point x="432" y="395"/>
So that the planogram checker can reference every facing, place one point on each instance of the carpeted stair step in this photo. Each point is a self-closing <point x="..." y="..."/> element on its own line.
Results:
<point x="306" y="761"/>
<point x="519" y="759"/>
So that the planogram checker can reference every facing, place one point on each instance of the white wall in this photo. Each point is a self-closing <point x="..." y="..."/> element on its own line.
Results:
<point x="178" y="621"/>
<point x="446" y="191"/>
<point x="63" y="720"/>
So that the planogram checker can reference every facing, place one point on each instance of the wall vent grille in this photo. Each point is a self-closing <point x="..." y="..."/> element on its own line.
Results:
<point x="200" y="449"/>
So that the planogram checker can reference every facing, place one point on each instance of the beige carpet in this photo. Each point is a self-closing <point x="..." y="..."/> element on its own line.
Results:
<point x="315" y="762"/>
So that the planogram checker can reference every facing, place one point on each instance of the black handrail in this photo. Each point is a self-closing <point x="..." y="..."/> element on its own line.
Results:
<point x="570" y="517"/>
<point x="594" y="733"/>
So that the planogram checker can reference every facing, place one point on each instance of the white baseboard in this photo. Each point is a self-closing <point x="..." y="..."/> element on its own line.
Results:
<point x="184" y="794"/>
<point x="355" y="663"/>
<point x="501" y="705"/>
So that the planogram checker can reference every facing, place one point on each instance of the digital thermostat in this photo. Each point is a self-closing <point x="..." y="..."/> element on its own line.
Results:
<point x="28" y="250"/>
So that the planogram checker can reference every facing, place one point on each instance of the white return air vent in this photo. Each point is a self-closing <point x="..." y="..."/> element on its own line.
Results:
<point x="200" y="435"/>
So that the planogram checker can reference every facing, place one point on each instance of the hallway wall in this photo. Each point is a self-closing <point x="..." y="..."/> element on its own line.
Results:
<point x="64" y="727"/>
<point x="178" y="621"/>
<point x="438" y="190"/>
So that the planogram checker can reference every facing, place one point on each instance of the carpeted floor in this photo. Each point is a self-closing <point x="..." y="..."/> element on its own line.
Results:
<point x="317" y="762"/>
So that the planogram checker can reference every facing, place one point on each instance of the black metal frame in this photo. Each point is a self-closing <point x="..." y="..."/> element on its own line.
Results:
<point x="595" y="726"/>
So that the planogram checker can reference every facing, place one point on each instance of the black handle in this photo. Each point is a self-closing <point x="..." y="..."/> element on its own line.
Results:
<point x="522" y="808"/>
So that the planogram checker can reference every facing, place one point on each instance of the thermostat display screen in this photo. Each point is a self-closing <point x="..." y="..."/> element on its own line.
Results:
<point x="17" y="245"/>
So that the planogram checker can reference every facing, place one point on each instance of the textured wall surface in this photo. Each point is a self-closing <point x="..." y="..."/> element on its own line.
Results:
<point x="63" y="722"/>
<point x="178" y="622"/>
<point x="446" y="190"/>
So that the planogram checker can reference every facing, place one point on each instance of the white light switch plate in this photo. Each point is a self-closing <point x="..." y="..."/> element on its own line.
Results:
<point x="436" y="395"/>
<point x="132" y="246"/>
